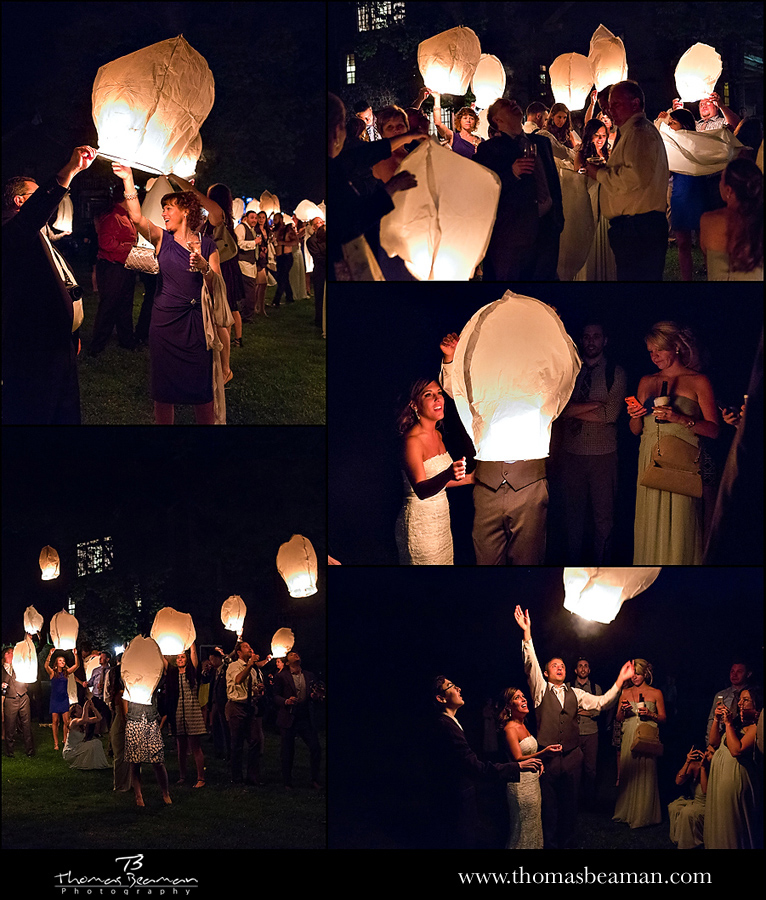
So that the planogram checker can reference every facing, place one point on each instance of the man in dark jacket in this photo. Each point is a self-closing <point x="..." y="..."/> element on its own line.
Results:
<point x="295" y="690"/>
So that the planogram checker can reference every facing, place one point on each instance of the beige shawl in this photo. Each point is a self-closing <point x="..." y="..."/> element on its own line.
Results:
<point x="216" y="312"/>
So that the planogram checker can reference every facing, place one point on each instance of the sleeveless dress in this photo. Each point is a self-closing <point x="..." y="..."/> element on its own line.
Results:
<point x="423" y="534"/>
<point x="668" y="527"/>
<point x="143" y="738"/>
<point x="526" y="831"/>
<point x="638" y="800"/>
<point x="181" y="364"/>
<point x="718" y="269"/>
<point x="188" y="712"/>
<point x="59" y="694"/>
<point x="462" y="147"/>
<point x="687" y="819"/>
<point x="732" y="808"/>
<point x="82" y="754"/>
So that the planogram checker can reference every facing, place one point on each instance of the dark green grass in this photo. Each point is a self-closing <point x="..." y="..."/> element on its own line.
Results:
<point x="48" y="805"/>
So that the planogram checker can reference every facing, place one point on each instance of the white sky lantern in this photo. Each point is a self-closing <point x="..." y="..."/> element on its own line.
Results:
<point x="238" y="209"/>
<point x="142" y="668"/>
<point x="297" y="564"/>
<point x="253" y="206"/>
<point x="571" y="80"/>
<point x="187" y="162"/>
<point x="697" y="72"/>
<point x="598" y="593"/>
<point x="63" y="629"/>
<point x="25" y="661"/>
<point x="269" y="203"/>
<point x="306" y="210"/>
<point x="441" y="228"/>
<point x="448" y="60"/>
<point x="33" y="621"/>
<point x="233" y="613"/>
<point x="282" y="643"/>
<point x="148" y="106"/>
<point x="699" y="152"/>
<point x="513" y="372"/>
<point x="49" y="564"/>
<point x="174" y="631"/>
<point x="607" y="58"/>
<point x="488" y="81"/>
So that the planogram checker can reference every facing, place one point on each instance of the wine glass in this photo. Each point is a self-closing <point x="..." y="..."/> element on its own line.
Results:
<point x="194" y="243"/>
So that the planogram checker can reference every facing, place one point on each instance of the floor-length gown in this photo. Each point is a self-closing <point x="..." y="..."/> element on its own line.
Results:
<point x="732" y="813"/>
<point x="638" y="800"/>
<point x="423" y="533"/>
<point x="82" y="754"/>
<point x="526" y="827"/>
<point x="668" y="527"/>
<point x="687" y="818"/>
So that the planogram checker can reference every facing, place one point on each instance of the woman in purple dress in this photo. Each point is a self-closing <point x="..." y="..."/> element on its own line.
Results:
<point x="462" y="140"/>
<point x="181" y="363"/>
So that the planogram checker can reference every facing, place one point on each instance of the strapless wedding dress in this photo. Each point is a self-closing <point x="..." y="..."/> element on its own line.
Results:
<point x="423" y="534"/>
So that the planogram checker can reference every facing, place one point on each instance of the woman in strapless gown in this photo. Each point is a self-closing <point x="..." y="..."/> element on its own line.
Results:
<point x="79" y="752"/>
<point x="668" y="528"/>
<point x="423" y="533"/>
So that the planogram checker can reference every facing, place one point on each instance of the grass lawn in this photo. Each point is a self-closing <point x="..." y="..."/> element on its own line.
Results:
<point x="48" y="805"/>
<point x="279" y="373"/>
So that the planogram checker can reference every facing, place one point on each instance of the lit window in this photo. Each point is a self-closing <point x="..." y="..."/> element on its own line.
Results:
<point x="350" y="69"/>
<point x="94" y="556"/>
<point x="372" y="16"/>
<point x="70" y="605"/>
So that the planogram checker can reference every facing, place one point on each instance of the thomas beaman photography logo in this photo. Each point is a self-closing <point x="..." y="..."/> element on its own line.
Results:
<point x="130" y="879"/>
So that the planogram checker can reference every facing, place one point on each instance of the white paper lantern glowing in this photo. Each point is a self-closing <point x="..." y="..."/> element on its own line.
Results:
<point x="306" y="210"/>
<point x="297" y="564"/>
<point x="33" y="621"/>
<point x="237" y="209"/>
<point x="233" y="614"/>
<point x="513" y="372"/>
<point x="697" y="72"/>
<point x="571" y="80"/>
<point x="441" y="228"/>
<point x="269" y="203"/>
<point x="25" y="661"/>
<point x="187" y="162"/>
<point x="607" y="59"/>
<point x="63" y="629"/>
<point x="141" y="669"/>
<point x="699" y="152"/>
<point x="174" y="631"/>
<point x="49" y="563"/>
<point x="488" y="81"/>
<point x="448" y="60"/>
<point x="253" y="206"/>
<point x="148" y="106"/>
<point x="282" y="643"/>
<point x="598" y="593"/>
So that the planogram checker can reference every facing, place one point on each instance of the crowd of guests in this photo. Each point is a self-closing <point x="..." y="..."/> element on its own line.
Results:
<point x="592" y="199"/>
<point x="222" y="701"/>
<point x="204" y="276"/>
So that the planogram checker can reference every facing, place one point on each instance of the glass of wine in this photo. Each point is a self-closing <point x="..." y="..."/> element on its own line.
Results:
<point x="194" y="243"/>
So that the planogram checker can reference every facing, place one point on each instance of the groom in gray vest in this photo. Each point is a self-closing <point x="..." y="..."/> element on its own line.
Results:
<point x="556" y="706"/>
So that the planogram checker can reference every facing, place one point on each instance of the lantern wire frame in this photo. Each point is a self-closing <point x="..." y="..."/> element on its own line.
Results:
<point x="131" y="164"/>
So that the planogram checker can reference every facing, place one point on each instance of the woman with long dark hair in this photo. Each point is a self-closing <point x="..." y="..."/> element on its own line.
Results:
<point x="184" y="713"/>
<point x="59" y="705"/>
<point x="600" y="265"/>
<point x="223" y="235"/>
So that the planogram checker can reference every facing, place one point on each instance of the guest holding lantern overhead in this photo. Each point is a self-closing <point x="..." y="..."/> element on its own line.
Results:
<point x="244" y="712"/>
<point x="59" y="704"/>
<point x="184" y="713"/>
<point x="190" y="300"/>
<point x="423" y="535"/>
<point x="462" y="139"/>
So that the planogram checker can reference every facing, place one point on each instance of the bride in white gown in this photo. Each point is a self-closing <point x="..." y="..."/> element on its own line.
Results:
<point x="423" y="533"/>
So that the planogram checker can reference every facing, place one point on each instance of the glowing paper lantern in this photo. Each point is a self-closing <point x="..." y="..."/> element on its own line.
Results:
<point x="63" y="629"/>
<point x="148" y="106"/>
<point x="513" y="372"/>
<point x="297" y="564"/>
<point x="697" y="72"/>
<point x="174" y="631"/>
<point x="187" y="161"/>
<point x="488" y="81"/>
<point x="306" y="211"/>
<point x="282" y="643"/>
<point x="448" y="60"/>
<point x="141" y="668"/>
<point x="64" y="216"/>
<point x="33" y="621"/>
<point x="598" y="593"/>
<point x="233" y="613"/>
<point x="25" y="661"/>
<point x="699" y="152"/>
<point x="253" y="206"/>
<point x="571" y="80"/>
<point x="607" y="58"/>
<point x="441" y="228"/>
<point x="238" y="208"/>
<point x="269" y="203"/>
<point x="49" y="563"/>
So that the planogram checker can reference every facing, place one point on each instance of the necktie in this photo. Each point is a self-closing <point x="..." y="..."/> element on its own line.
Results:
<point x="583" y="395"/>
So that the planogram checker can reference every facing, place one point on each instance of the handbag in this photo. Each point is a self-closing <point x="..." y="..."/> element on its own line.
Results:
<point x="142" y="259"/>
<point x="674" y="467"/>
<point x="646" y="741"/>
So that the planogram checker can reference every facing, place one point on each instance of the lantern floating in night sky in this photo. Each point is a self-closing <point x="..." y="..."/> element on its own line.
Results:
<point x="33" y="621"/>
<point x="297" y="564"/>
<point x="63" y="629"/>
<point x="282" y="643"/>
<point x="697" y="72"/>
<point x="441" y="228"/>
<point x="25" y="661"/>
<point x="233" y="613"/>
<point x="448" y="60"/>
<point x="513" y="372"/>
<point x="148" y="106"/>
<point x="174" y="631"/>
<point x="49" y="563"/>
<point x="607" y="59"/>
<point x="488" y="81"/>
<point x="141" y="668"/>
<point x="571" y="80"/>
<point x="598" y="593"/>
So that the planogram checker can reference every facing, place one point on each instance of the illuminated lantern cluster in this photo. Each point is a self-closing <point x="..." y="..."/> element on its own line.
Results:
<point x="141" y="668"/>
<point x="598" y="593"/>
<point x="174" y="631"/>
<point x="488" y="81"/>
<point x="63" y="629"/>
<point x="607" y="58"/>
<point x="25" y="661"/>
<point x="697" y="72"/>
<point x="49" y="563"/>
<point x="513" y="372"/>
<point x="441" y="228"/>
<point x="148" y="106"/>
<point x="233" y="613"/>
<point x="33" y="621"/>
<point x="448" y="60"/>
<point x="269" y="203"/>
<point x="297" y="564"/>
<point x="282" y="643"/>
<point x="571" y="80"/>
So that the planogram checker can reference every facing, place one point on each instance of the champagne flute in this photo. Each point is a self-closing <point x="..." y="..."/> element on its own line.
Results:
<point x="194" y="243"/>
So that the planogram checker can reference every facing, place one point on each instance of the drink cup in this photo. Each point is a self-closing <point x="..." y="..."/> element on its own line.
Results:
<point x="661" y="401"/>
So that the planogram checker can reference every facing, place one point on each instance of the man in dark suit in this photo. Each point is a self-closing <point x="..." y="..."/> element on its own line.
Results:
<point x="16" y="708"/>
<point x="457" y="769"/>
<point x="40" y="384"/>
<point x="530" y="216"/>
<point x="294" y="691"/>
